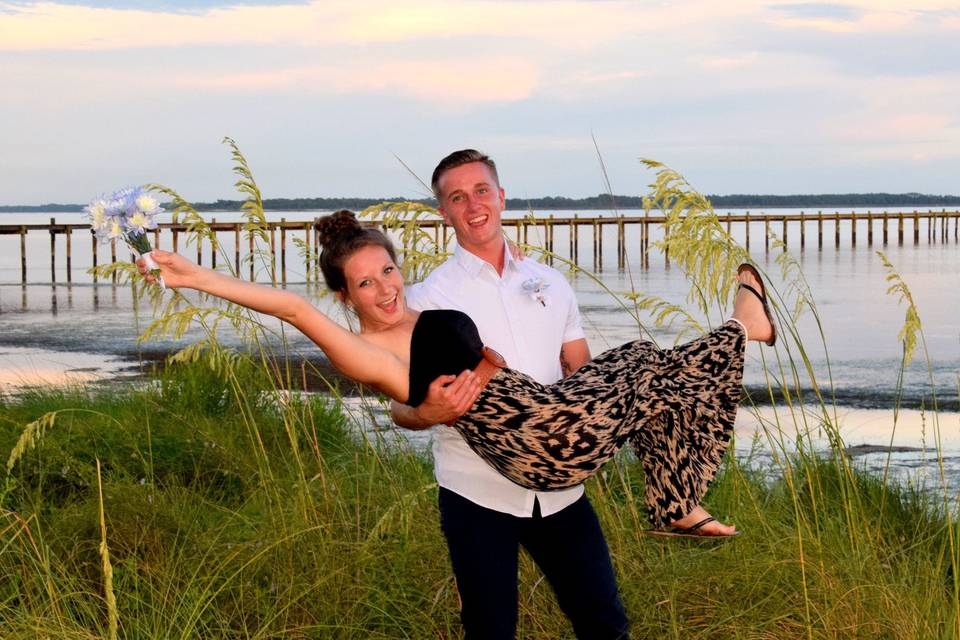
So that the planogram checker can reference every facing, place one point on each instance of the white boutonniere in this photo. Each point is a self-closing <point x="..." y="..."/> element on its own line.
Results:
<point x="535" y="287"/>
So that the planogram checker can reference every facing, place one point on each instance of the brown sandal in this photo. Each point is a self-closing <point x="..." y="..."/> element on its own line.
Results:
<point x="688" y="532"/>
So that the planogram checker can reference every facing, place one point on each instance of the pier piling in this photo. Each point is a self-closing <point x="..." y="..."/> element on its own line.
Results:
<point x="53" y="251"/>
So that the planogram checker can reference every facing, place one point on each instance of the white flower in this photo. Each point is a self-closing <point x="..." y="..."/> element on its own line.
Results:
<point x="113" y="229"/>
<point x="96" y="211"/>
<point x="535" y="287"/>
<point x="139" y="222"/>
<point x="147" y="204"/>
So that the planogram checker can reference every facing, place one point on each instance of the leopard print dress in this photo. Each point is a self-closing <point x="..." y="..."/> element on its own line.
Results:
<point x="675" y="406"/>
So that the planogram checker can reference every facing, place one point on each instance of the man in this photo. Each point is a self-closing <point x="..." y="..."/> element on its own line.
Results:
<point x="528" y="313"/>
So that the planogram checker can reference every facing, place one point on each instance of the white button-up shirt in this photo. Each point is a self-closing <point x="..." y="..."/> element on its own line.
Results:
<point x="528" y="329"/>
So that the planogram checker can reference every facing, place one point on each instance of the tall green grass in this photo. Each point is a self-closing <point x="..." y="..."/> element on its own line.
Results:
<point x="220" y="501"/>
<point x="254" y="514"/>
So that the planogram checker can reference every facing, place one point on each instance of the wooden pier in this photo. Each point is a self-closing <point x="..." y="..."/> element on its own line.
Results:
<point x="631" y="238"/>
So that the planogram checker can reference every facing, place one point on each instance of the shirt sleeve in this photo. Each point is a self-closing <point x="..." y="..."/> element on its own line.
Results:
<point x="413" y="294"/>
<point x="420" y="295"/>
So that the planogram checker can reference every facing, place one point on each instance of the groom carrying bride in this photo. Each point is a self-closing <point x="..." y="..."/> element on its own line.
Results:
<point x="528" y="313"/>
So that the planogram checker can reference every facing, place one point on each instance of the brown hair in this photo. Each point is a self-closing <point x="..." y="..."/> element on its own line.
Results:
<point x="456" y="159"/>
<point x="341" y="235"/>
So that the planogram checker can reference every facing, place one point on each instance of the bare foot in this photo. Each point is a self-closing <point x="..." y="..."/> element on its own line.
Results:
<point x="712" y="528"/>
<point x="748" y="309"/>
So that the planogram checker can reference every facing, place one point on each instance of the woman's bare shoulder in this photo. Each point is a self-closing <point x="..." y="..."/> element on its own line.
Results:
<point x="396" y="340"/>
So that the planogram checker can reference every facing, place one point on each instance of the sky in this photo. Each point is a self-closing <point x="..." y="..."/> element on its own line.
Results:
<point x="341" y="98"/>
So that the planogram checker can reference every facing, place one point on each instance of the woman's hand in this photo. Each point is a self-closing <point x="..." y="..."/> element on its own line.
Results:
<point x="175" y="270"/>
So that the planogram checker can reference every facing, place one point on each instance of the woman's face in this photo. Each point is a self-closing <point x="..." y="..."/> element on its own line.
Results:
<point x="374" y="288"/>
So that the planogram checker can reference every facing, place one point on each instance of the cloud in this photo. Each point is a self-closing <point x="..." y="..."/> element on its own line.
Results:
<point x="724" y="62"/>
<point x="910" y="46"/>
<point x="58" y="25"/>
<point x="449" y="81"/>
<point x="816" y="10"/>
<point x="160" y="6"/>
<point x="50" y="26"/>
<point x="864" y="17"/>
<point x="793" y="95"/>
<point x="912" y="128"/>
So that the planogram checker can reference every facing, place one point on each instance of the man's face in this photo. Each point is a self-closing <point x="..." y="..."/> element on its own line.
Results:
<point x="471" y="202"/>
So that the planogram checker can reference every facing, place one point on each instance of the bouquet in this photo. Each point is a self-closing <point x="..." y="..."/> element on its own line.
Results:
<point x="128" y="214"/>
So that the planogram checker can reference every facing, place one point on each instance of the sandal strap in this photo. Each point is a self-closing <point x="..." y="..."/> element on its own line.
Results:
<point x="759" y="295"/>
<point x="706" y="520"/>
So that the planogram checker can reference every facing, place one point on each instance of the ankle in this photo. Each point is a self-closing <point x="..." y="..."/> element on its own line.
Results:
<point x="746" y="334"/>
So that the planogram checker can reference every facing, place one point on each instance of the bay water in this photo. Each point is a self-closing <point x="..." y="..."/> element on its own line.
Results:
<point x="83" y="331"/>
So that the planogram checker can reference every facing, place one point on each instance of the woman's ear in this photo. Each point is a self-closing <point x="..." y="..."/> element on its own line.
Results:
<point x="344" y="300"/>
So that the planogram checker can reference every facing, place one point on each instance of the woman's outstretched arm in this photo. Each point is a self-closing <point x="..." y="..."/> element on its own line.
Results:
<point x="354" y="356"/>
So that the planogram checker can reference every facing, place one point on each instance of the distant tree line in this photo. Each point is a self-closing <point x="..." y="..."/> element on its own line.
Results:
<point x="602" y="201"/>
<point x="52" y="208"/>
<point x="744" y="201"/>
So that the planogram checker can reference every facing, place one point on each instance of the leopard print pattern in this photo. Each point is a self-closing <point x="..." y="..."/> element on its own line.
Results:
<point x="675" y="406"/>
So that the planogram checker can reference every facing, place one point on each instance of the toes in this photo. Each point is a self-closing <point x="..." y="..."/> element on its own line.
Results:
<point x="718" y="529"/>
<point x="746" y="277"/>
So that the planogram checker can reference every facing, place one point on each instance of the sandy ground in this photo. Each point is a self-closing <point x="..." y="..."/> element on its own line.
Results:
<point x="907" y="428"/>
<point x="28" y="367"/>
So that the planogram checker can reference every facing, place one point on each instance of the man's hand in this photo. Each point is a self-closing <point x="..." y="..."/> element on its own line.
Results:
<point x="573" y="355"/>
<point x="448" y="398"/>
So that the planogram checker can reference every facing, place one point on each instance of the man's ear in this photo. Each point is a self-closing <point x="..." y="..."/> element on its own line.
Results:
<point x="443" y="213"/>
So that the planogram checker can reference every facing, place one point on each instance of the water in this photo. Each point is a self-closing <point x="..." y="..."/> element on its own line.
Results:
<point x="860" y="322"/>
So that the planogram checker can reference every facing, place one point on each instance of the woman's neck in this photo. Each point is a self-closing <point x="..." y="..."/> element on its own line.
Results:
<point x="404" y="323"/>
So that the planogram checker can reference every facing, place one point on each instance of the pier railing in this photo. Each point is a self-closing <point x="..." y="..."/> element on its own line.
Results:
<point x="630" y="237"/>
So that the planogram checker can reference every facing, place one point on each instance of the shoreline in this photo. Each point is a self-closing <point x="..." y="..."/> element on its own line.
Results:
<point x="51" y="364"/>
<point x="25" y="366"/>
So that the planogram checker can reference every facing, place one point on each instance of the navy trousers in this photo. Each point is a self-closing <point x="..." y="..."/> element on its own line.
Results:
<point x="569" y="548"/>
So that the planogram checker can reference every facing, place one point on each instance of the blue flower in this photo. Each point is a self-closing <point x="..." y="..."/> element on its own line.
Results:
<point x="127" y="213"/>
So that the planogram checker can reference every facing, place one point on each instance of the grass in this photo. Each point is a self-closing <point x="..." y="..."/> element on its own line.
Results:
<point x="211" y="503"/>
<point x="228" y="515"/>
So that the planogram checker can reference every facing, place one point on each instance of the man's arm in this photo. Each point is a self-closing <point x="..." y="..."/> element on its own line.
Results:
<point x="573" y="355"/>
<point x="448" y="398"/>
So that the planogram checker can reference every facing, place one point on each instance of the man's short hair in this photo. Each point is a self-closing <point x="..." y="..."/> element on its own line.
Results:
<point x="456" y="159"/>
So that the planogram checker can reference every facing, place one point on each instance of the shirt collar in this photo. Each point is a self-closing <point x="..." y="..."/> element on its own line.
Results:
<point x="474" y="265"/>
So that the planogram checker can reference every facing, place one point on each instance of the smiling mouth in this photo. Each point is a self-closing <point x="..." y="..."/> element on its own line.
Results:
<point x="477" y="221"/>
<point x="390" y="304"/>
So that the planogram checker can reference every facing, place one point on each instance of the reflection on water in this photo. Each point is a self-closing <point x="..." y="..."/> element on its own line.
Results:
<point x="859" y="320"/>
<point x="919" y="449"/>
<point x="87" y="332"/>
<point x="22" y="367"/>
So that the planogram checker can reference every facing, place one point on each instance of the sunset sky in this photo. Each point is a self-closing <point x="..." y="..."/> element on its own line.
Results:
<point x="324" y="97"/>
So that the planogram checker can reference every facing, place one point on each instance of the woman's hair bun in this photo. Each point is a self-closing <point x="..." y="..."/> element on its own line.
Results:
<point x="337" y="226"/>
<point x="340" y="236"/>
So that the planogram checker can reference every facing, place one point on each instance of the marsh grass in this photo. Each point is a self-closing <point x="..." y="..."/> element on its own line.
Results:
<point x="327" y="534"/>
<point x="221" y="501"/>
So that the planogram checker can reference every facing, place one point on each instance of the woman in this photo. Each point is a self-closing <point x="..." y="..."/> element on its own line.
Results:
<point x="676" y="406"/>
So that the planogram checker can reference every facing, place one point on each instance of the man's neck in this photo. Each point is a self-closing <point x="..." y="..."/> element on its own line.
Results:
<point x="491" y="254"/>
